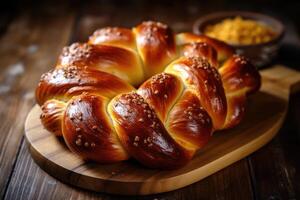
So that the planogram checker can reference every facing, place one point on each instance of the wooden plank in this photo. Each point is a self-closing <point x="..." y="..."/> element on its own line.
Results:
<point x="275" y="167"/>
<point x="29" y="47"/>
<point x="224" y="148"/>
<point x="32" y="180"/>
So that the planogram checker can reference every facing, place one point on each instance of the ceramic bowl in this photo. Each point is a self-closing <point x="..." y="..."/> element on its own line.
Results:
<point x="261" y="54"/>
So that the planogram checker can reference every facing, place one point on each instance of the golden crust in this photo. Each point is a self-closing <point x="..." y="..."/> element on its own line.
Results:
<point x="111" y="59"/>
<point x="205" y="81"/>
<point x="87" y="130"/>
<point x="161" y="91"/>
<point x="201" y="49"/>
<point x="240" y="78"/>
<point x="223" y="49"/>
<point x="90" y="101"/>
<point x="156" y="46"/>
<point x="236" y="104"/>
<point x="113" y="36"/>
<point x="144" y="135"/>
<point x="52" y="114"/>
<point x="189" y="123"/>
<point x="239" y="74"/>
<point x="66" y="82"/>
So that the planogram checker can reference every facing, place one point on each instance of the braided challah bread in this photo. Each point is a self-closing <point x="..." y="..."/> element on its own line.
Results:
<point x="188" y="87"/>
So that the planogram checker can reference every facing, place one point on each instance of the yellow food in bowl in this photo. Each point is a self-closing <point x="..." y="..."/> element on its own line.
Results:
<point x="240" y="31"/>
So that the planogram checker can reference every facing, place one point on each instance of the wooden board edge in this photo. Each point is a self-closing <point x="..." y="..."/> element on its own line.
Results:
<point x="221" y="163"/>
<point x="153" y="186"/>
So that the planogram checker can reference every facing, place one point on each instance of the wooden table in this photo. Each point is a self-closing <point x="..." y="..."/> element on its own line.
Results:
<point x="32" y="36"/>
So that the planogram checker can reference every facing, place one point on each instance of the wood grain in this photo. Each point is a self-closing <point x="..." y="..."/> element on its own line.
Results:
<point x="98" y="15"/>
<point x="24" y="56"/>
<point x="266" y="112"/>
<point x="278" y="162"/>
<point x="32" y="182"/>
<point x="28" y="181"/>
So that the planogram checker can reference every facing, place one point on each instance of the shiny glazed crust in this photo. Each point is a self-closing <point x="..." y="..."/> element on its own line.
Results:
<point x="188" y="87"/>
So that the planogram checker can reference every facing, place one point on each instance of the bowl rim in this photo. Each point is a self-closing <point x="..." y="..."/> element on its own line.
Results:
<point x="247" y="14"/>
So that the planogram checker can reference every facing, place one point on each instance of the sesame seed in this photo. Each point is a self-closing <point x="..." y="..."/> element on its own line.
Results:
<point x="77" y="129"/>
<point x="136" y="138"/>
<point x="78" y="142"/>
<point x="141" y="120"/>
<point x="93" y="144"/>
<point x="150" y="145"/>
<point x="86" y="144"/>
<point x="135" y="144"/>
<point x="165" y="96"/>
<point x="156" y="92"/>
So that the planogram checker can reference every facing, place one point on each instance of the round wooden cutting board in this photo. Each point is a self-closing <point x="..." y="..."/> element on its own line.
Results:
<point x="264" y="116"/>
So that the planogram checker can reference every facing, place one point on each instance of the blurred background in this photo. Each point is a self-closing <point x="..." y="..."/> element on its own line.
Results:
<point x="90" y="15"/>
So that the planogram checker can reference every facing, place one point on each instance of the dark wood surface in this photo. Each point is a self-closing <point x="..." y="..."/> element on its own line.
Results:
<point x="32" y="35"/>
